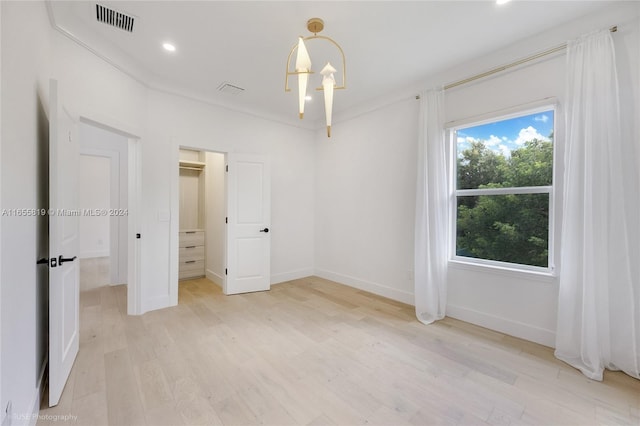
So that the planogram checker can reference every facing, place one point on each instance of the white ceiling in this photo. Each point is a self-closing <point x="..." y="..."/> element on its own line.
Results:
<point x="389" y="45"/>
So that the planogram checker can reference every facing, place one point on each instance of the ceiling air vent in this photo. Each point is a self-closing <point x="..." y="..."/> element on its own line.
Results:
<point x="230" y="88"/>
<point x="114" y="18"/>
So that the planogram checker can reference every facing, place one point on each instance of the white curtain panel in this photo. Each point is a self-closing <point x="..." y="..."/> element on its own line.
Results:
<point x="432" y="211"/>
<point x="598" y="317"/>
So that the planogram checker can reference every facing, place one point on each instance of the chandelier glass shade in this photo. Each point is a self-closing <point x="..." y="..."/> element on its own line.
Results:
<point x="303" y="70"/>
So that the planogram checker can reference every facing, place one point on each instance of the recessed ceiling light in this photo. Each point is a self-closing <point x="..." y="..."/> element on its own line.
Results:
<point x="502" y="1"/>
<point x="169" y="47"/>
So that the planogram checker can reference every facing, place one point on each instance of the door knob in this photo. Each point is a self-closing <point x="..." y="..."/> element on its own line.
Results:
<point x="264" y="230"/>
<point x="62" y="260"/>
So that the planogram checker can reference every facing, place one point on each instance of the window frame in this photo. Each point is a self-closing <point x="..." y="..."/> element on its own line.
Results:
<point x="451" y="130"/>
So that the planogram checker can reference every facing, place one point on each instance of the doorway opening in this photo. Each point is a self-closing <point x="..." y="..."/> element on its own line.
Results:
<point x="109" y="193"/>
<point x="202" y="217"/>
<point x="233" y="232"/>
<point x="103" y="200"/>
<point x="64" y="216"/>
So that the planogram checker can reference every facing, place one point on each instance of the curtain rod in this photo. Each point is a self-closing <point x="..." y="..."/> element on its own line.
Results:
<point x="513" y="64"/>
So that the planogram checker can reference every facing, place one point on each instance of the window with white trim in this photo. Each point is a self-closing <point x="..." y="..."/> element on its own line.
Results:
<point x="502" y="209"/>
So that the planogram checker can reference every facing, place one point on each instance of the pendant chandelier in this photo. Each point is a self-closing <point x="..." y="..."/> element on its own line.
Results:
<point x="303" y="71"/>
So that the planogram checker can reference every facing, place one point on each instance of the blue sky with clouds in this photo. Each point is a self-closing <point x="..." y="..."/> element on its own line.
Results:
<point x="506" y="135"/>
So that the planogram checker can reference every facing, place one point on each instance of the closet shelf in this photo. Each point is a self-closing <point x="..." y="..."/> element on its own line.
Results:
<point x="191" y="165"/>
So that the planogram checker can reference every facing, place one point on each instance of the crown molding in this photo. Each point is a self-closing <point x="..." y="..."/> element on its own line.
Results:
<point x="149" y="84"/>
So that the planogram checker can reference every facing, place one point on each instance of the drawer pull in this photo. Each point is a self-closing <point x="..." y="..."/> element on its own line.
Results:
<point x="190" y="247"/>
<point x="190" y="261"/>
<point x="190" y="232"/>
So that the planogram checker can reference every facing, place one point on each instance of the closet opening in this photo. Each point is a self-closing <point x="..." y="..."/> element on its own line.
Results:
<point x="202" y="222"/>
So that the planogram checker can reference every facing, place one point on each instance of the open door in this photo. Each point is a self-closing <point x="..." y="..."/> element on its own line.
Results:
<point x="248" y="222"/>
<point x="64" y="273"/>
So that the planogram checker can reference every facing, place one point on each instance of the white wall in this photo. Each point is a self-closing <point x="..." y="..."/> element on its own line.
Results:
<point x="176" y="122"/>
<point x="215" y="212"/>
<point x="519" y="304"/>
<point x="189" y="155"/>
<point x="514" y="303"/>
<point x="190" y="200"/>
<point x="365" y="198"/>
<point x="192" y="192"/>
<point x="100" y="92"/>
<point x="95" y="194"/>
<point x="366" y="172"/>
<point x="359" y="185"/>
<point x="24" y="155"/>
<point x="2" y="410"/>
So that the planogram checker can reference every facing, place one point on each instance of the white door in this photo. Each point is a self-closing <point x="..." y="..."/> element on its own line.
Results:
<point x="248" y="224"/>
<point x="64" y="274"/>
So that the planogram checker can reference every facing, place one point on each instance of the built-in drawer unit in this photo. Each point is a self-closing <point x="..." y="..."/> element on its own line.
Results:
<point x="191" y="238"/>
<point x="191" y="269"/>
<point x="191" y="254"/>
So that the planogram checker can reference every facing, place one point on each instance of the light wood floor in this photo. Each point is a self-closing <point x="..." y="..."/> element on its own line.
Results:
<point x="315" y="352"/>
<point x="94" y="272"/>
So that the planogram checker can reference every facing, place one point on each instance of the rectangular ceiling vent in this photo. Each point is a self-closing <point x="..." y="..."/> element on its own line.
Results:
<point x="230" y="88"/>
<point x="114" y="18"/>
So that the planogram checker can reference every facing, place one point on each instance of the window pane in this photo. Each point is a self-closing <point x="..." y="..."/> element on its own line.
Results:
<point x="507" y="228"/>
<point x="507" y="153"/>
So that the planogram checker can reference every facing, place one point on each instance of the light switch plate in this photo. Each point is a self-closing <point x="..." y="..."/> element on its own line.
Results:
<point x="164" y="215"/>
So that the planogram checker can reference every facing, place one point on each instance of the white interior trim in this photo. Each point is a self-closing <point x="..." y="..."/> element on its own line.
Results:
<point x="146" y="82"/>
<point x="371" y="287"/>
<point x="2" y="409"/>
<point x="503" y="268"/>
<point x="504" y="114"/>
<point x="291" y="275"/>
<point x="174" y="227"/>
<point x="528" y="108"/>
<point x="505" y="191"/>
<point x="217" y="279"/>
<point x="134" y="283"/>
<point x="134" y="302"/>
<point x="503" y="325"/>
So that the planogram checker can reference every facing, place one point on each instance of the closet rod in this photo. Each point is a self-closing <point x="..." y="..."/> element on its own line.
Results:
<point x="513" y="64"/>
<point x="199" y="169"/>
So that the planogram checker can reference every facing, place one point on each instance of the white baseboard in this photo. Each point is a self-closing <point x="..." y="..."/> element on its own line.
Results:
<point x="375" y="288"/>
<point x="504" y="325"/>
<point x="35" y="410"/>
<point x="492" y="322"/>
<point x="216" y="278"/>
<point x="293" y="275"/>
<point x="35" y="404"/>
<point x="94" y="253"/>
<point x="14" y="418"/>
